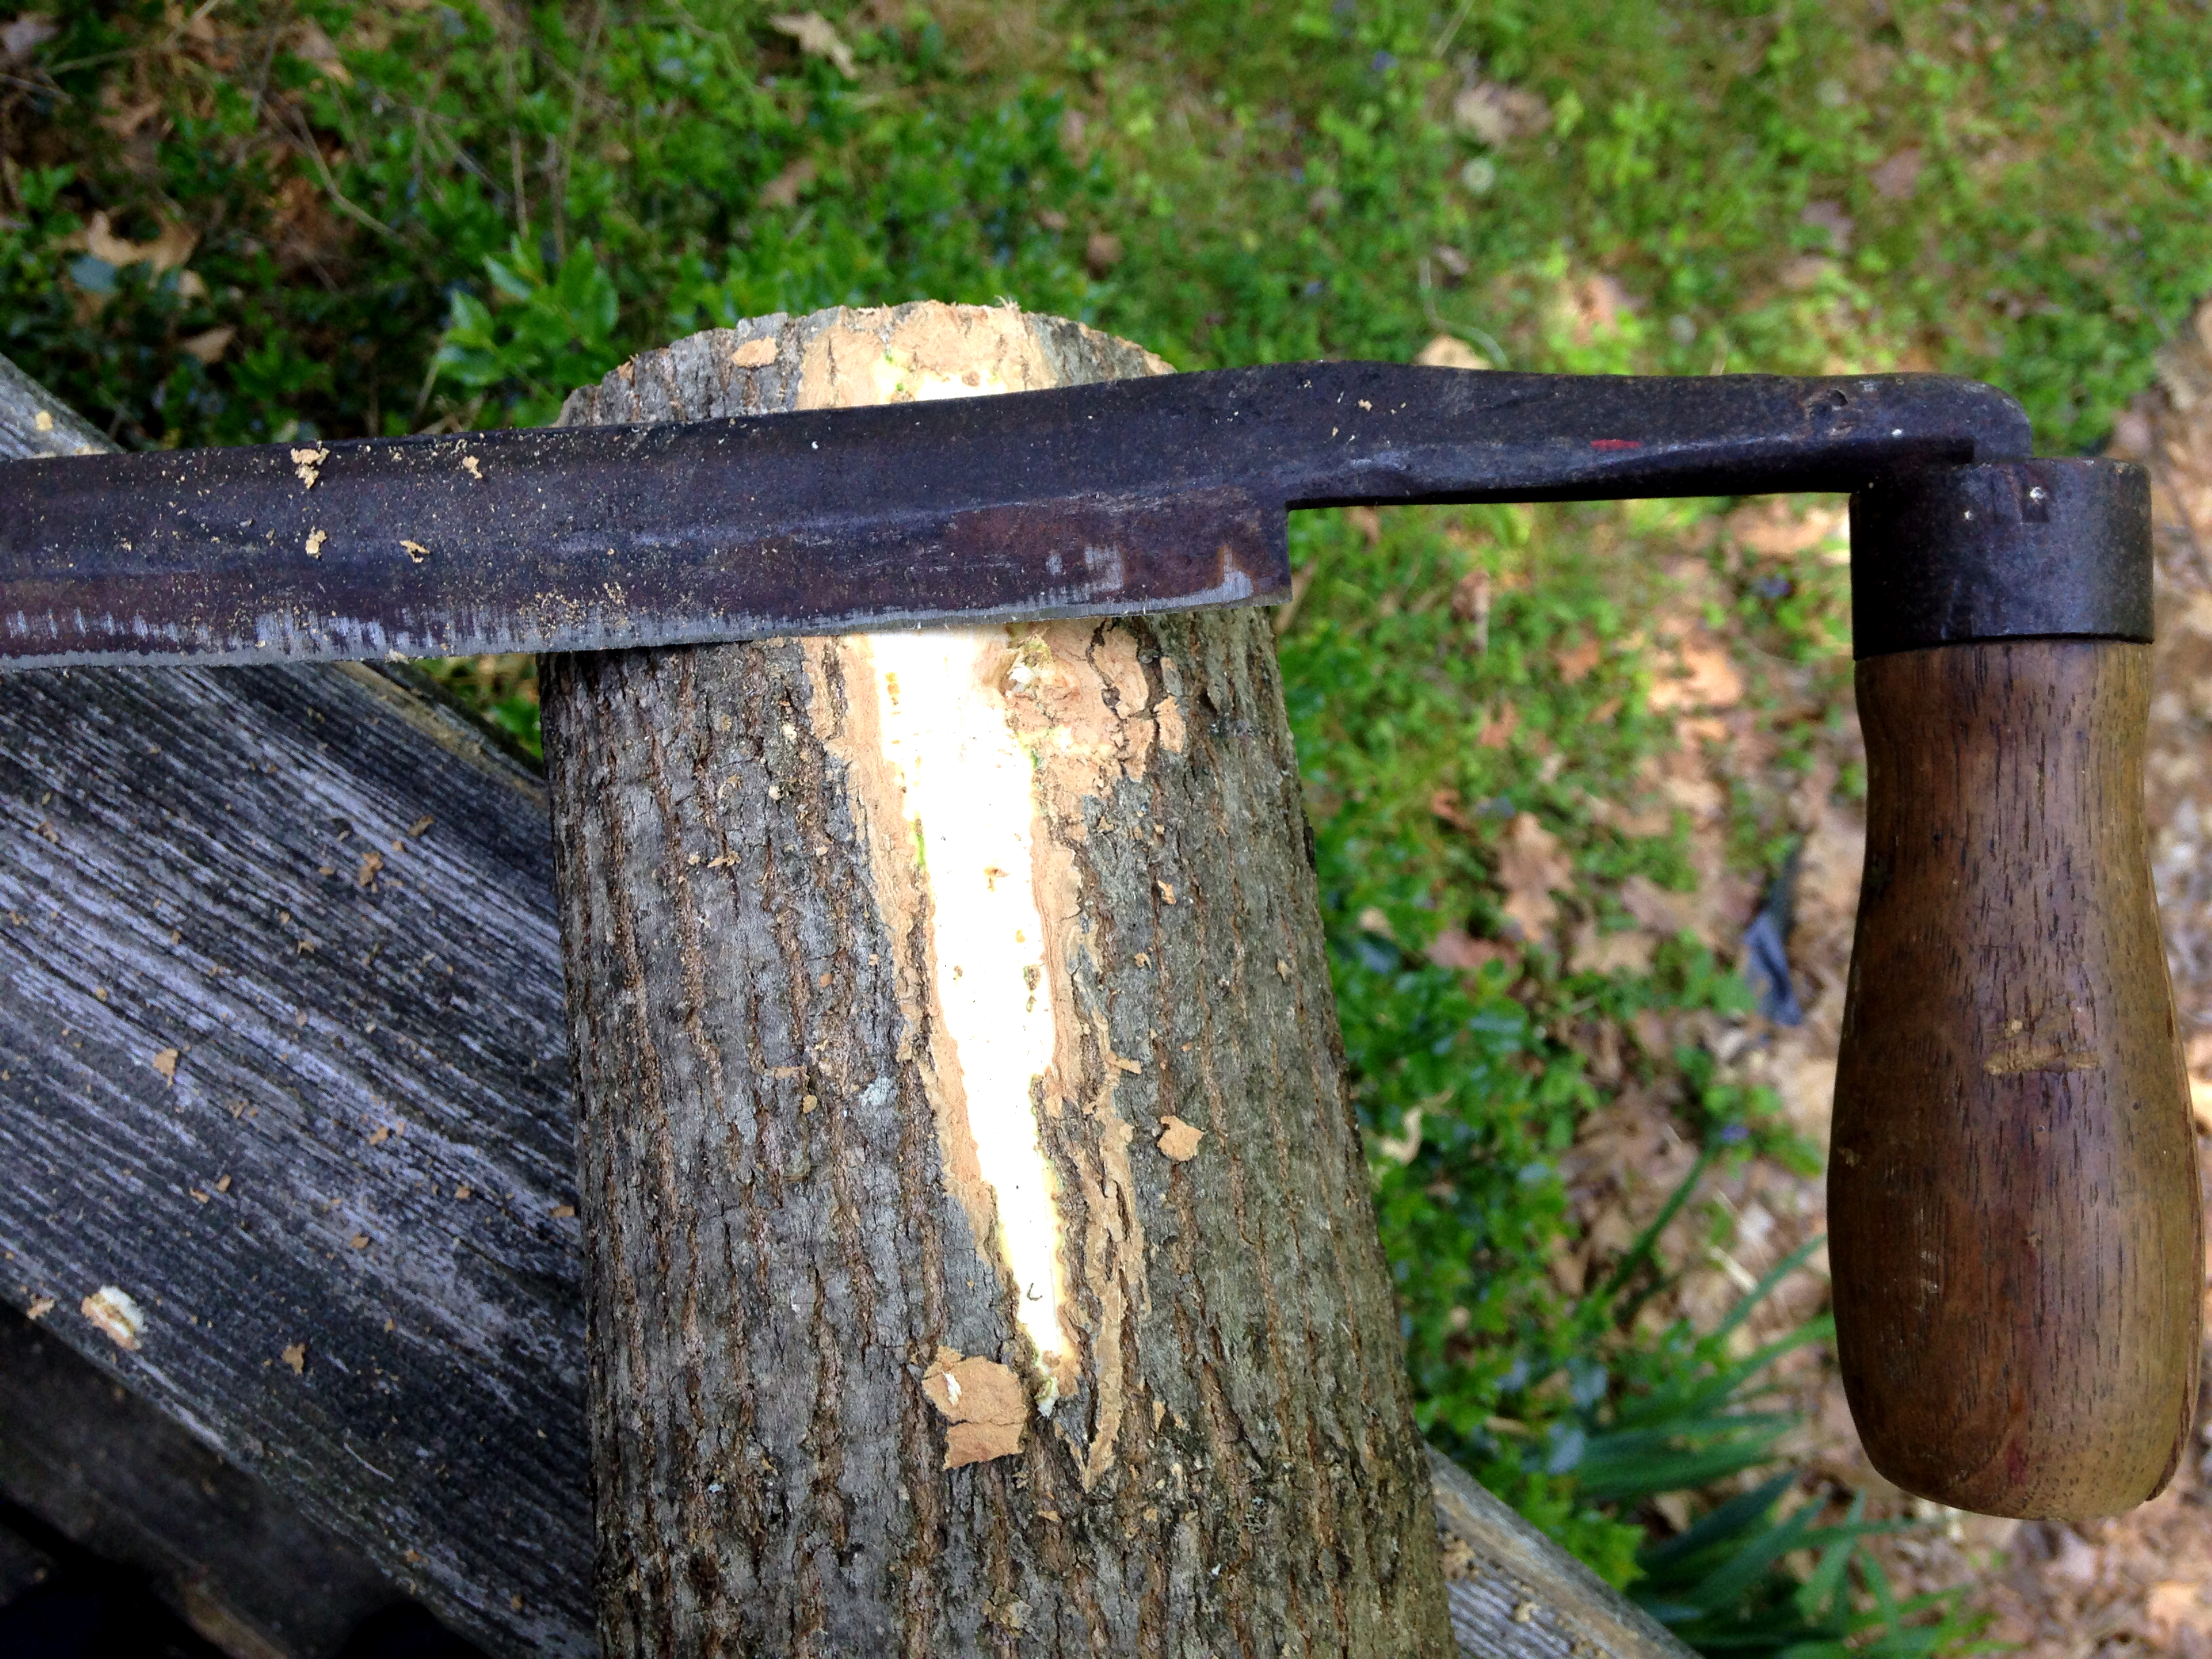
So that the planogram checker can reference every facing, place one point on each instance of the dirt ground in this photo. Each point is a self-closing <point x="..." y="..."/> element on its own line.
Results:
<point x="2136" y="1583"/>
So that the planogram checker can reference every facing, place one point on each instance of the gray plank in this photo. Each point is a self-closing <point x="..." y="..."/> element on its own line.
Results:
<point x="233" y="868"/>
<point x="113" y="1476"/>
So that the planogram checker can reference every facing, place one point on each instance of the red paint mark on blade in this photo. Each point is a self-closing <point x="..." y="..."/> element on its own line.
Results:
<point x="1616" y="443"/>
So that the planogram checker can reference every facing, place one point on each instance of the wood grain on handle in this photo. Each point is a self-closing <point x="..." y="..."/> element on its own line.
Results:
<point x="2017" y="1234"/>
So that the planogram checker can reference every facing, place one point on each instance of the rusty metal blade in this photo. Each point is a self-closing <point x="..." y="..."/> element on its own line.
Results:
<point x="1133" y="495"/>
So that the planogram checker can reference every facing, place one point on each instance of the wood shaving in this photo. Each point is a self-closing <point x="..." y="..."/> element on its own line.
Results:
<point x="295" y="1356"/>
<point x="983" y="1401"/>
<point x="1531" y="867"/>
<point x="111" y="1309"/>
<point x="40" y="1307"/>
<point x="309" y="464"/>
<point x="1178" y="1139"/>
<point x="166" y="1063"/>
<point x="315" y="540"/>
<point x="371" y="862"/>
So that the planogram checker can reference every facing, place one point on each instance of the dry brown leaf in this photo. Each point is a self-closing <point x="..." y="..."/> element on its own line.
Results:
<point x="1445" y="805"/>
<point x="208" y="347"/>
<point x="1664" y="912"/>
<point x="1594" y="307"/>
<point x="1807" y="272"/>
<point x="311" y="45"/>
<point x="1456" y="947"/>
<point x="1896" y="178"/>
<point x="1102" y="252"/>
<point x="782" y="190"/>
<point x="1470" y="600"/>
<point x="1770" y="528"/>
<point x="1367" y="521"/>
<point x="1629" y="952"/>
<point x="1178" y="1139"/>
<point x="2177" y="1604"/>
<point x="1575" y="661"/>
<point x="1494" y="114"/>
<point x="817" y="37"/>
<point x="1698" y="674"/>
<point x="1449" y="351"/>
<point x="1568" y="1269"/>
<point x="124" y="119"/>
<point x="1497" y="731"/>
<point x="171" y="247"/>
<point x="1531" y="867"/>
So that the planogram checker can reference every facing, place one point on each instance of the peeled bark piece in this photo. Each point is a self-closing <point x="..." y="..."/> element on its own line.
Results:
<point x="887" y="957"/>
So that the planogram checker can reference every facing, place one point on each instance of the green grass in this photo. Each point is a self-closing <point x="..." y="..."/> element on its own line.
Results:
<point x="467" y="208"/>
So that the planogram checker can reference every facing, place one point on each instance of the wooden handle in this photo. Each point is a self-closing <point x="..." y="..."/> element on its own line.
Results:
<point x="2017" y="1234"/>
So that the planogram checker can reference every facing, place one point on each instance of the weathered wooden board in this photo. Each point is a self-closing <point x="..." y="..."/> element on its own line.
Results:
<point x="281" y="1060"/>
<point x="122" y="1482"/>
<point x="185" y="865"/>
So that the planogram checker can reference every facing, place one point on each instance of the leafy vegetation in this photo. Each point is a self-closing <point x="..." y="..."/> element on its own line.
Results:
<point x="266" y="219"/>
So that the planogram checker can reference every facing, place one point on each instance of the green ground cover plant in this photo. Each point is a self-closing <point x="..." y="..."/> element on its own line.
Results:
<point x="240" y="220"/>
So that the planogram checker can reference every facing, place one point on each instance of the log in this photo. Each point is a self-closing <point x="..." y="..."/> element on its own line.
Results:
<point x="492" y="1379"/>
<point x="979" y="1252"/>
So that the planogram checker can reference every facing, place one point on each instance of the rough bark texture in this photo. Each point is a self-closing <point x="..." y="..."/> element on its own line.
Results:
<point x="864" y="1100"/>
<point x="2017" y="1233"/>
<point x="279" y="978"/>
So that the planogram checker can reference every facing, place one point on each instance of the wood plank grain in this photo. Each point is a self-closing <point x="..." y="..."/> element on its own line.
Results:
<point x="281" y="1062"/>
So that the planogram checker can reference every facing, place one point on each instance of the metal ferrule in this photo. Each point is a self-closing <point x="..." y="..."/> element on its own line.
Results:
<point x="2004" y="549"/>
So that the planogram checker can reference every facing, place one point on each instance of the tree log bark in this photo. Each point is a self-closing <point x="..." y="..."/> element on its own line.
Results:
<point x="979" y="1250"/>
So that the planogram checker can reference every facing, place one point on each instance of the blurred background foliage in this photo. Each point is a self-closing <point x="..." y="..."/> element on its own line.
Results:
<point x="243" y="221"/>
